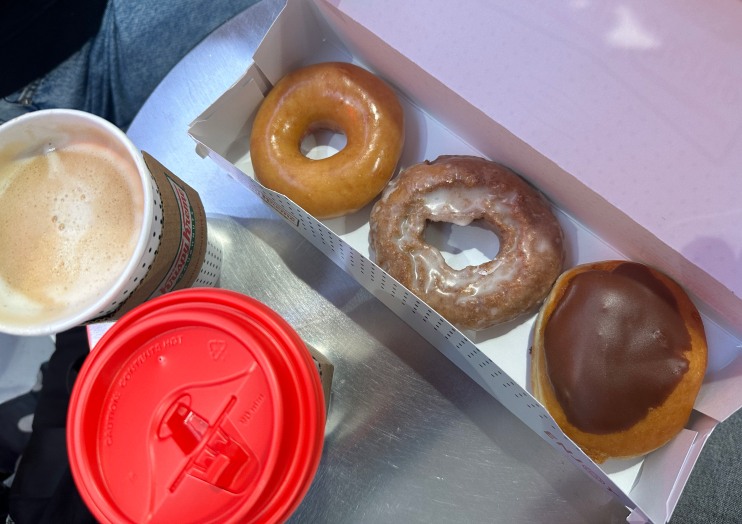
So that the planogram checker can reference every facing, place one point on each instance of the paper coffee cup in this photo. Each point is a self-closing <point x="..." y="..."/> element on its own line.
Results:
<point x="202" y="405"/>
<point x="89" y="225"/>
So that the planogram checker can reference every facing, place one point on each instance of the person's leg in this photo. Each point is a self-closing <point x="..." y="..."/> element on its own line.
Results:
<point x="137" y="45"/>
<point x="42" y="490"/>
<point x="140" y="43"/>
<point x="65" y="87"/>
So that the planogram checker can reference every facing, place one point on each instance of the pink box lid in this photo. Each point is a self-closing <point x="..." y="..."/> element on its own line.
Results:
<point x="639" y="102"/>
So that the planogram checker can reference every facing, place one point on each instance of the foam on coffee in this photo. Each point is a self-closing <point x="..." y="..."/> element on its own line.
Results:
<point x="70" y="218"/>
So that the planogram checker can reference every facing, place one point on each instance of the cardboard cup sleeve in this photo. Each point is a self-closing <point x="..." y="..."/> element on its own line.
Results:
<point x="180" y="254"/>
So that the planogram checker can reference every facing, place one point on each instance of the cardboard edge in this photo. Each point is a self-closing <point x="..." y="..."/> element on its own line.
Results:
<point x="679" y="455"/>
<point x="308" y="29"/>
<point x="248" y="90"/>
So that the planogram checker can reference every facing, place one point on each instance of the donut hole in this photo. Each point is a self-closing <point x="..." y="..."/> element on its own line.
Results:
<point x="462" y="246"/>
<point x="322" y="143"/>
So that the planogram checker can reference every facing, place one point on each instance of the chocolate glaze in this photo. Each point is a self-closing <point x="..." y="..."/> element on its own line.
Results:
<point x="614" y="347"/>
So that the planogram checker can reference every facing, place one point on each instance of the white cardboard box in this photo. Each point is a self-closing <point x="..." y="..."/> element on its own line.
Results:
<point x="442" y="117"/>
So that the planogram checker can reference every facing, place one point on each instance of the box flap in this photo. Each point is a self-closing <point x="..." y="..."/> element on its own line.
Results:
<point x="276" y="56"/>
<point x="220" y="122"/>
<point x="666" y="471"/>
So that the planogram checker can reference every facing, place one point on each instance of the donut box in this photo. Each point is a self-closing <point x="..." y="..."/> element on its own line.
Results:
<point x="569" y="150"/>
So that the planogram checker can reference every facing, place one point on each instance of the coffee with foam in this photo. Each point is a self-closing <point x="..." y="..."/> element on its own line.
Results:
<point x="71" y="212"/>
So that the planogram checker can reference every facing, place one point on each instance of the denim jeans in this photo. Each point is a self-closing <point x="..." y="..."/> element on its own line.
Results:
<point x="113" y="73"/>
<point x="712" y="494"/>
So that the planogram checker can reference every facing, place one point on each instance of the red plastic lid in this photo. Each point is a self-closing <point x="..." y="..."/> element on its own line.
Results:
<point x="202" y="405"/>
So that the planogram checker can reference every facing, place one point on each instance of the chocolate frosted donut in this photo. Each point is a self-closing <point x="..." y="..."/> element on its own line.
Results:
<point x="619" y="355"/>
<point x="459" y="190"/>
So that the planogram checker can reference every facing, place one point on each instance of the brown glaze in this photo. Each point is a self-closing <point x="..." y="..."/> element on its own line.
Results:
<point x="615" y="347"/>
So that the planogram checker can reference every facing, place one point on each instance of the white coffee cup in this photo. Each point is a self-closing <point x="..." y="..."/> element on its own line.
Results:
<point x="80" y="221"/>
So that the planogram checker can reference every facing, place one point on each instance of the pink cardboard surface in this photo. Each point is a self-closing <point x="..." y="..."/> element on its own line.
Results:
<point x="638" y="102"/>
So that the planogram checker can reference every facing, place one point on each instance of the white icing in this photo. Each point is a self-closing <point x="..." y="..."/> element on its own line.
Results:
<point x="459" y="206"/>
<point x="484" y="292"/>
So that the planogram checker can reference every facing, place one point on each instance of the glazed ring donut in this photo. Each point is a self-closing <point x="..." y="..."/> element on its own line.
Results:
<point x="340" y="97"/>
<point x="461" y="189"/>
<point x="619" y="355"/>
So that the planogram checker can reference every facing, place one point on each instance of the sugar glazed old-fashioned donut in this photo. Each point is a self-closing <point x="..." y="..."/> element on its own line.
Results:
<point x="460" y="190"/>
<point x="619" y="355"/>
<point x="339" y="97"/>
